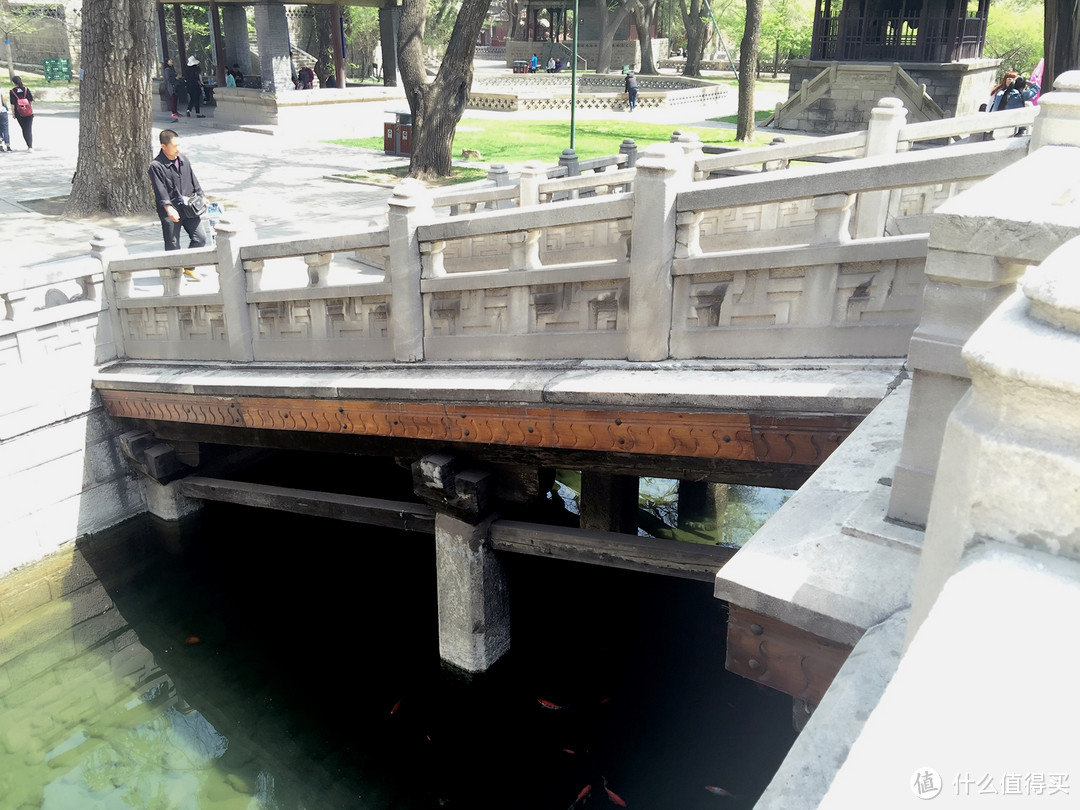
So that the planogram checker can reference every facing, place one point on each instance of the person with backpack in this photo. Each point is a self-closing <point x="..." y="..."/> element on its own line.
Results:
<point x="193" y="80"/>
<point x="23" y="110"/>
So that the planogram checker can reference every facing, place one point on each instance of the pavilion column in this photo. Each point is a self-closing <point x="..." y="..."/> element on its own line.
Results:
<point x="163" y="32"/>
<point x="272" y="34"/>
<point x="181" y="46"/>
<point x="219" y="44"/>
<point x="389" y="22"/>
<point x="339" y="44"/>
<point x="237" y="41"/>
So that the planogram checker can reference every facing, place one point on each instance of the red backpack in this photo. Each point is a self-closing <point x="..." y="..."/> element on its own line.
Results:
<point x="22" y="103"/>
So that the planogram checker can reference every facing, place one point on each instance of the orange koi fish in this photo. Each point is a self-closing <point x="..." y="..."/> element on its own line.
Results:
<point x="719" y="791"/>
<point x="547" y="704"/>
<point x="613" y="797"/>
<point x="396" y="707"/>
<point x="585" y="791"/>
<point x="192" y="640"/>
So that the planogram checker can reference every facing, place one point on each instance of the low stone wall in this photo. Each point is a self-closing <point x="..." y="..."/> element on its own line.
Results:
<point x="61" y="474"/>
<point x="595" y="92"/>
<point x="334" y="112"/>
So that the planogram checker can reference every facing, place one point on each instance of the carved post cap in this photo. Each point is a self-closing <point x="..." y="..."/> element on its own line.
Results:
<point x="235" y="222"/>
<point x="660" y="157"/>
<point x="1053" y="288"/>
<point x="534" y="167"/>
<point x="889" y="107"/>
<point x="410" y="193"/>
<point x="1067" y="82"/>
<point x="104" y="240"/>
<point x="1058" y="121"/>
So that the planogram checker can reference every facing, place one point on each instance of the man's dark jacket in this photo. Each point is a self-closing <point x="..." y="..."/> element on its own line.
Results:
<point x="172" y="184"/>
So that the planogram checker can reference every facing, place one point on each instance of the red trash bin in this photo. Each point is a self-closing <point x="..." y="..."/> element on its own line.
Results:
<point x="404" y="139"/>
<point x="390" y="138"/>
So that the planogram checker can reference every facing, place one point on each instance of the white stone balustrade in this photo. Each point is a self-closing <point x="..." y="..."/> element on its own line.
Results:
<point x="646" y="274"/>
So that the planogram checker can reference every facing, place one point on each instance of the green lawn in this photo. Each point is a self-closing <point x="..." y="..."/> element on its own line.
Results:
<point x="518" y="141"/>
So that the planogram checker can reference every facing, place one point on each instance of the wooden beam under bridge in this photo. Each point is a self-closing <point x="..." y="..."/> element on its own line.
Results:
<point x="651" y="555"/>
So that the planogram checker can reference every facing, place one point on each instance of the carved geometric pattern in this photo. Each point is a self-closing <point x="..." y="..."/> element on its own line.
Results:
<point x="806" y="440"/>
<point x="279" y="320"/>
<point x="865" y="292"/>
<point x="602" y="240"/>
<point x="358" y="317"/>
<point x="571" y="307"/>
<point x="202" y="323"/>
<point x="927" y="199"/>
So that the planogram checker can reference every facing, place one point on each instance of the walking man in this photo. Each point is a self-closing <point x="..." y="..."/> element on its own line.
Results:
<point x="631" y="89"/>
<point x="175" y="185"/>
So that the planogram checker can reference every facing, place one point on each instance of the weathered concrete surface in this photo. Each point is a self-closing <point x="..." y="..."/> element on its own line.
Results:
<point x="474" y="596"/>
<point x="841" y="387"/>
<point x="820" y="750"/>
<point x="823" y="563"/>
<point x="984" y="691"/>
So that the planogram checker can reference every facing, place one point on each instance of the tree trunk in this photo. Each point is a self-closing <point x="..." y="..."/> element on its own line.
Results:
<point x="748" y="57"/>
<point x="437" y="107"/>
<point x="644" y="12"/>
<point x="1061" y="39"/>
<point x="610" y="20"/>
<point x="114" y="117"/>
<point x="696" y="36"/>
<point x="324" y="60"/>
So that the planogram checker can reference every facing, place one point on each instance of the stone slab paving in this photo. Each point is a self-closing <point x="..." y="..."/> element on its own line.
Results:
<point x="282" y="181"/>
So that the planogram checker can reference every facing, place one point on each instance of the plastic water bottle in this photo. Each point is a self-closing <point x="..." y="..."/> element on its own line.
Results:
<point x="213" y="214"/>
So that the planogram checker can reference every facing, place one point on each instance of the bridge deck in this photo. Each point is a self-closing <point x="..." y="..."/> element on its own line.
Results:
<point x="749" y="413"/>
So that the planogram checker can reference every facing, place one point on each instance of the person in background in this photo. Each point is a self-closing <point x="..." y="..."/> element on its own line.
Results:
<point x="26" y="119"/>
<point x="5" y="134"/>
<point x="170" y="88"/>
<point x="193" y="80"/>
<point x="1012" y="93"/>
<point x="230" y="80"/>
<point x="631" y="89"/>
<point x="238" y="74"/>
<point x="551" y="64"/>
<point x="533" y="64"/>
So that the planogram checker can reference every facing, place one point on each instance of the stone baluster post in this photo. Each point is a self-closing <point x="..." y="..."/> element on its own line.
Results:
<point x="688" y="234"/>
<point x="431" y="257"/>
<point x="254" y="270"/>
<point x="882" y="135"/>
<point x="499" y="175"/>
<point x="474" y="596"/>
<point x="569" y="160"/>
<point x="831" y="220"/>
<point x="107" y="246"/>
<point x="629" y="148"/>
<point x="662" y="169"/>
<point x="16" y="305"/>
<point x="318" y="265"/>
<point x="170" y="281"/>
<point x="524" y="250"/>
<point x="318" y="268"/>
<point x="533" y="174"/>
<point x="233" y="232"/>
<point x="1009" y="454"/>
<point x="1058" y="121"/>
<point x="410" y="207"/>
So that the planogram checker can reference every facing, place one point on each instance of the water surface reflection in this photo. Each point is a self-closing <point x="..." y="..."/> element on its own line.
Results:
<point x="260" y="660"/>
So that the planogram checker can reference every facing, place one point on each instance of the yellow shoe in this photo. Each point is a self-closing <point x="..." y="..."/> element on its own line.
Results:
<point x="190" y="273"/>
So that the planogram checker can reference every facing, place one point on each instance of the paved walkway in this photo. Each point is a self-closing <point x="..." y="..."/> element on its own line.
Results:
<point x="283" y="182"/>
